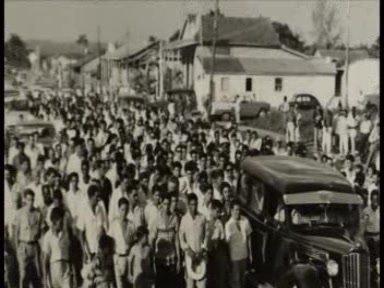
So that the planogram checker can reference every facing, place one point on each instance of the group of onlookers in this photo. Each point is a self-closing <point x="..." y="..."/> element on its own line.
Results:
<point x="138" y="196"/>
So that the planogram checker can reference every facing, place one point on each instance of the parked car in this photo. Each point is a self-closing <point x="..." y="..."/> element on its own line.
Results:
<point x="248" y="110"/>
<point x="15" y="109"/>
<point x="22" y="130"/>
<point x="124" y="100"/>
<point x="304" y="101"/>
<point x="303" y="217"/>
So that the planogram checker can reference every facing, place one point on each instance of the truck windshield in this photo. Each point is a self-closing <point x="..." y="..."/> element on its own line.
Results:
<point x="329" y="215"/>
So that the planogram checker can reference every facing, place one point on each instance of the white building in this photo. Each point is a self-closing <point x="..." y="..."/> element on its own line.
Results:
<point x="250" y="61"/>
<point x="363" y="73"/>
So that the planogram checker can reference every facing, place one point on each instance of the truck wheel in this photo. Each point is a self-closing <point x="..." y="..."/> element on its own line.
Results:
<point x="226" y="117"/>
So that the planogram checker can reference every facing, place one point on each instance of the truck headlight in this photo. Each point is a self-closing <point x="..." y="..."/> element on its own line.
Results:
<point x="378" y="266"/>
<point x="332" y="268"/>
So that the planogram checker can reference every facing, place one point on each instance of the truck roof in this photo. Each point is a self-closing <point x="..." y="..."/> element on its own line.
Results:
<point x="290" y="175"/>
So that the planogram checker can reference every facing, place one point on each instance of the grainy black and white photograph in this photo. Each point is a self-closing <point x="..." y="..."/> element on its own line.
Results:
<point x="192" y="144"/>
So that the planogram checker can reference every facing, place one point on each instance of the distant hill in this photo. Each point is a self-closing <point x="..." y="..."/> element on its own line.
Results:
<point x="50" y="48"/>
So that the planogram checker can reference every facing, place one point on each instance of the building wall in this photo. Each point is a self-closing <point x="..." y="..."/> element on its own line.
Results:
<point x="363" y="79"/>
<point x="248" y="52"/>
<point x="263" y="87"/>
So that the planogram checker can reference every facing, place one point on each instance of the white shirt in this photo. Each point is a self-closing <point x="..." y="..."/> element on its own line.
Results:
<point x="151" y="214"/>
<point x="121" y="239"/>
<point x="365" y="127"/>
<point x="92" y="223"/>
<point x="113" y="209"/>
<point x="193" y="232"/>
<point x="236" y="234"/>
<point x="57" y="247"/>
<point x="74" y="201"/>
<point x="217" y="195"/>
<point x="74" y="164"/>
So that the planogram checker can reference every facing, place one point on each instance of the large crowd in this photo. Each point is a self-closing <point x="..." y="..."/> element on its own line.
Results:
<point x="127" y="196"/>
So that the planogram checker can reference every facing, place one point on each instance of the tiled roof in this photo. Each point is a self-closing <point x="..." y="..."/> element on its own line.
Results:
<point x="235" y="30"/>
<point x="258" y="66"/>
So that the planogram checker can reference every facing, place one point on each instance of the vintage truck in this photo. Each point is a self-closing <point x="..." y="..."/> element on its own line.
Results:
<point x="305" y="220"/>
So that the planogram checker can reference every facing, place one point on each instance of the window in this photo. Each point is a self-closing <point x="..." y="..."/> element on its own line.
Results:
<point x="224" y="84"/>
<point x="278" y="84"/>
<point x="248" y="84"/>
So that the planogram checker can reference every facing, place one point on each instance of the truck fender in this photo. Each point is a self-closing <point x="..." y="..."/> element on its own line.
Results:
<point x="301" y="276"/>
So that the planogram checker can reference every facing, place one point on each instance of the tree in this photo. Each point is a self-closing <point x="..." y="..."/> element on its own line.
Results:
<point x="83" y="42"/>
<point x="288" y="38"/>
<point x="374" y="50"/>
<point x="16" y="52"/>
<point x="325" y="23"/>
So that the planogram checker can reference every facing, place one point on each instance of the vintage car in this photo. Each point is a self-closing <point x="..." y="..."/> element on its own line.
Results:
<point x="124" y="100"/>
<point x="22" y="130"/>
<point x="225" y="111"/>
<point x="304" y="219"/>
<point x="304" y="101"/>
<point x="16" y="109"/>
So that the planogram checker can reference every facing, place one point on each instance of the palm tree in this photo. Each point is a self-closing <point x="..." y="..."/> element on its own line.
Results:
<point x="83" y="42"/>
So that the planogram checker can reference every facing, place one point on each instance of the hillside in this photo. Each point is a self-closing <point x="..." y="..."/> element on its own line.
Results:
<point x="51" y="48"/>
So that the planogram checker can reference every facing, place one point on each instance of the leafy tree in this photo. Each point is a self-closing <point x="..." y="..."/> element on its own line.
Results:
<point x="83" y="42"/>
<point x="326" y="25"/>
<point x="16" y="53"/>
<point x="288" y="38"/>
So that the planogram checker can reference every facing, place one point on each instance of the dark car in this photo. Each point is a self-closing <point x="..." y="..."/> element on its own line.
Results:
<point x="304" y="218"/>
<point x="248" y="110"/>
<point x="305" y="101"/>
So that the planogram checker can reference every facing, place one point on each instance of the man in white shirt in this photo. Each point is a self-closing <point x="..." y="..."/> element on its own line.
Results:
<point x="237" y="234"/>
<point x="121" y="230"/>
<point x="237" y="108"/>
<point x="151" y="210"/>
<point x="365" y="130"/>
<point x="75" y="160"/>
<point x="193" y="237"/>
<point x="120" y="192"/>
<point x="92" y="222"/>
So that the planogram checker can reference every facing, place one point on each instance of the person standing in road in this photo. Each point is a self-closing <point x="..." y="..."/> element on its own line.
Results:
<point x="318" y="126"/>
<point x="352" y="121"/>
<point x="193" y="237"/>
<point x="28" y="229"/>
<point x="237" y="234"/>
<point x="58" y="262"/>
<point x="365" y="129"/>
<point x="342" y="128"/>
<point x="326" y="143"/>
<point x="290" y="126"/>
<point x="284" y="107"/>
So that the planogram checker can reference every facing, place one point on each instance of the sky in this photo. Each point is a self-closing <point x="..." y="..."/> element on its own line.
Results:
<point x="66" y="20"/>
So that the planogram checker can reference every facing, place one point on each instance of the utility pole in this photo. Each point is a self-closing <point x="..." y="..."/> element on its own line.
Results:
<point x="213" y="60"/>
<point x="161" y="76"/>
<point x="346" y="65"/>
<point x="99" y="55"/>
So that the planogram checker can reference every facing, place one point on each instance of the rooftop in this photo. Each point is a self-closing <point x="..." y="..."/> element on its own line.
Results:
<point x="259" y="66"/>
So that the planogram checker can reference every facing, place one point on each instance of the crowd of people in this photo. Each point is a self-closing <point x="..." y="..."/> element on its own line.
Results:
<point x="129" y="195"/>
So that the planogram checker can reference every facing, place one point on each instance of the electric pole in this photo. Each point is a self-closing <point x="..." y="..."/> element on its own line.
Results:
<point x="346" y="65"/>
<point x="213" y="60"/>
<point x="99" y="55"/>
